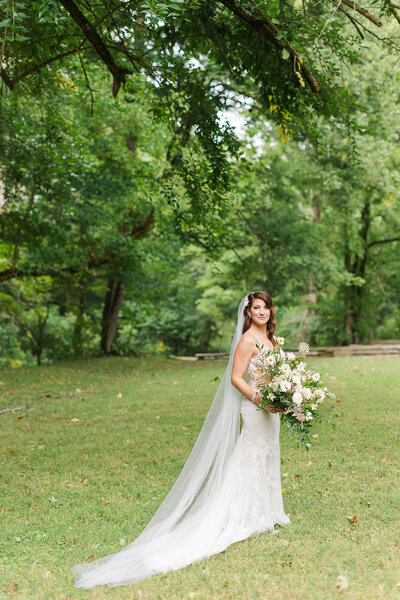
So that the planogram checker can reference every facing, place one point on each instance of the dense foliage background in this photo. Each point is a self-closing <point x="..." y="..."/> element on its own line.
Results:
<point x="134" y="216"/>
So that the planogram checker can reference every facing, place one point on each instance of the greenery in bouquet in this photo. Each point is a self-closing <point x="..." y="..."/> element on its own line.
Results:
<point x="285" y="381"/>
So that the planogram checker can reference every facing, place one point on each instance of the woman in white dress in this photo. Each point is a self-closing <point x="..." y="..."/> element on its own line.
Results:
<point x="229" y="488"/>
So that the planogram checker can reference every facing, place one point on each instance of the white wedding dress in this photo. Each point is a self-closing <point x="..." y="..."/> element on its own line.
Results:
<point x="241" y="498"/>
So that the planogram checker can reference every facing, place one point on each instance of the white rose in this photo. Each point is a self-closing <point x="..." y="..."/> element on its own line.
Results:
<point x="285" y="369"/>
<point x="296" y="379"/>
<point x="299" y="389"/>
<point x="285" y="386"/>
<point x="316" y="376"/>
<point x="307" y="393"/>
<point x="271" y="360"/>
<point x="297" y="398"/>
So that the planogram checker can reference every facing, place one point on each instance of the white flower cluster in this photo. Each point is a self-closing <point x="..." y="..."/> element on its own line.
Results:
<point x="300" y="382"/>
<point x="295" y="389"/>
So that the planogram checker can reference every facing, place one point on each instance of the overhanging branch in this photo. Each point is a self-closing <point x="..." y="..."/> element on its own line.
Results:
<point x="270" y="31"/>
<point x="119" y="73"/>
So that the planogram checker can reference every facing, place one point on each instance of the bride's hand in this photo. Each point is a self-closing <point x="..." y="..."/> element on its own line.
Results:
<point x="270" y="409"/>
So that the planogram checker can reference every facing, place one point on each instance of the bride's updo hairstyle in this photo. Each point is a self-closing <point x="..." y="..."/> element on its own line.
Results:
<point x="271" y="325"/>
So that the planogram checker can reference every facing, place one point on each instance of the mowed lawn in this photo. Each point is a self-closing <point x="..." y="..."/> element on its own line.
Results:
<point x="87" y="462"/>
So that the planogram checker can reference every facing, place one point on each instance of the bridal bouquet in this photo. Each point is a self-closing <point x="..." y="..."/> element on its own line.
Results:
<point x="286" y="382"/>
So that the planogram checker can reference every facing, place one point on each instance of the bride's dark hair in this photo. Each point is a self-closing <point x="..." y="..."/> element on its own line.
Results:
<point x="271" y="325"/>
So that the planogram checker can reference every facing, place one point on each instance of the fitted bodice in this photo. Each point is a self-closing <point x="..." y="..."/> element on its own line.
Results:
<point x="251" y="370"/>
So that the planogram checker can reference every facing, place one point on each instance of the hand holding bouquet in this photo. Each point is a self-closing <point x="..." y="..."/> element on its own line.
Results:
<point x="284" y="381"/>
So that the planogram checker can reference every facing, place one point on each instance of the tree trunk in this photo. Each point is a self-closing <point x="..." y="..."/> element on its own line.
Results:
<point x="109" y="323"/>
<point x="354" y="297"/>
<point x="77" y="335"/>
<point x="355" y="293"/>
<point x="312" y="295"/>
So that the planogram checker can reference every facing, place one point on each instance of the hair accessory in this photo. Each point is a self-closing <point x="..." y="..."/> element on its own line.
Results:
<point x="246" y="302"/>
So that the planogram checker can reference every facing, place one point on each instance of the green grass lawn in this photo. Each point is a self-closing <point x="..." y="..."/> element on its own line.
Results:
<point x="77" y="490"/>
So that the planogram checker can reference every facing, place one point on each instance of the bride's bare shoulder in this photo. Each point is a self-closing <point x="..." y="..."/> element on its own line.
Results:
<point x="246" y="343"/>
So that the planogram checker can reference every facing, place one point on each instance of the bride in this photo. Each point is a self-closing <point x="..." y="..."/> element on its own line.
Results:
<point x="230" y="486"/>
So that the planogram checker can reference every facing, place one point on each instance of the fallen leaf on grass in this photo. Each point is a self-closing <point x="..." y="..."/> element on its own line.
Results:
<point x="384" y="460"/>
<point x="20" y="417"/>
<point x="90" y="557"/>
<point x="122" y="542"/>
<point x="353" y="520"/>
<point x="289" y="563"/>
<point x="11" y="587"/>
<point x="119" y="395"/>
<point x="342" y="583"/>
<point x="75" y="420"/>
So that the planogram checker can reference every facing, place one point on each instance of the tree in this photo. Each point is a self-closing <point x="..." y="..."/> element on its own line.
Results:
<point x="286" y="53"/>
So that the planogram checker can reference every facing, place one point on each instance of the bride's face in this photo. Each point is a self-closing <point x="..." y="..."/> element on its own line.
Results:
<point x="259" y="312"/>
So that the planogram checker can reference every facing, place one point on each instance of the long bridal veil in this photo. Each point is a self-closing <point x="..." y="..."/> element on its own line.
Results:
<point x="176" y="535"/>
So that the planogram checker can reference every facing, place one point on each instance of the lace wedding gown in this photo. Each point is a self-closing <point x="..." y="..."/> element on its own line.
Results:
<point x="248" y="502"/>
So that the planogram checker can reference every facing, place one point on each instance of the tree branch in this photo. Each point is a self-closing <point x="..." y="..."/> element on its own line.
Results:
<point x="142" y="229"/>
<point x="45" y="63"/>
<point x="119" y="73"/>
<point x="394" y="13"/>
<point x="387" y="241"/>
<point x="363" y="12"/>
<point x="94" y="262"/>
<point x="269" y="30"/>
<point x="217" y="41"/>
<point x="6" y="79"/>
<point x="351" y="19"/>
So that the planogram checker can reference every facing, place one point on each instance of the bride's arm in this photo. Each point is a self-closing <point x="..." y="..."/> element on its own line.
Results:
<point x="244" y="351"/>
